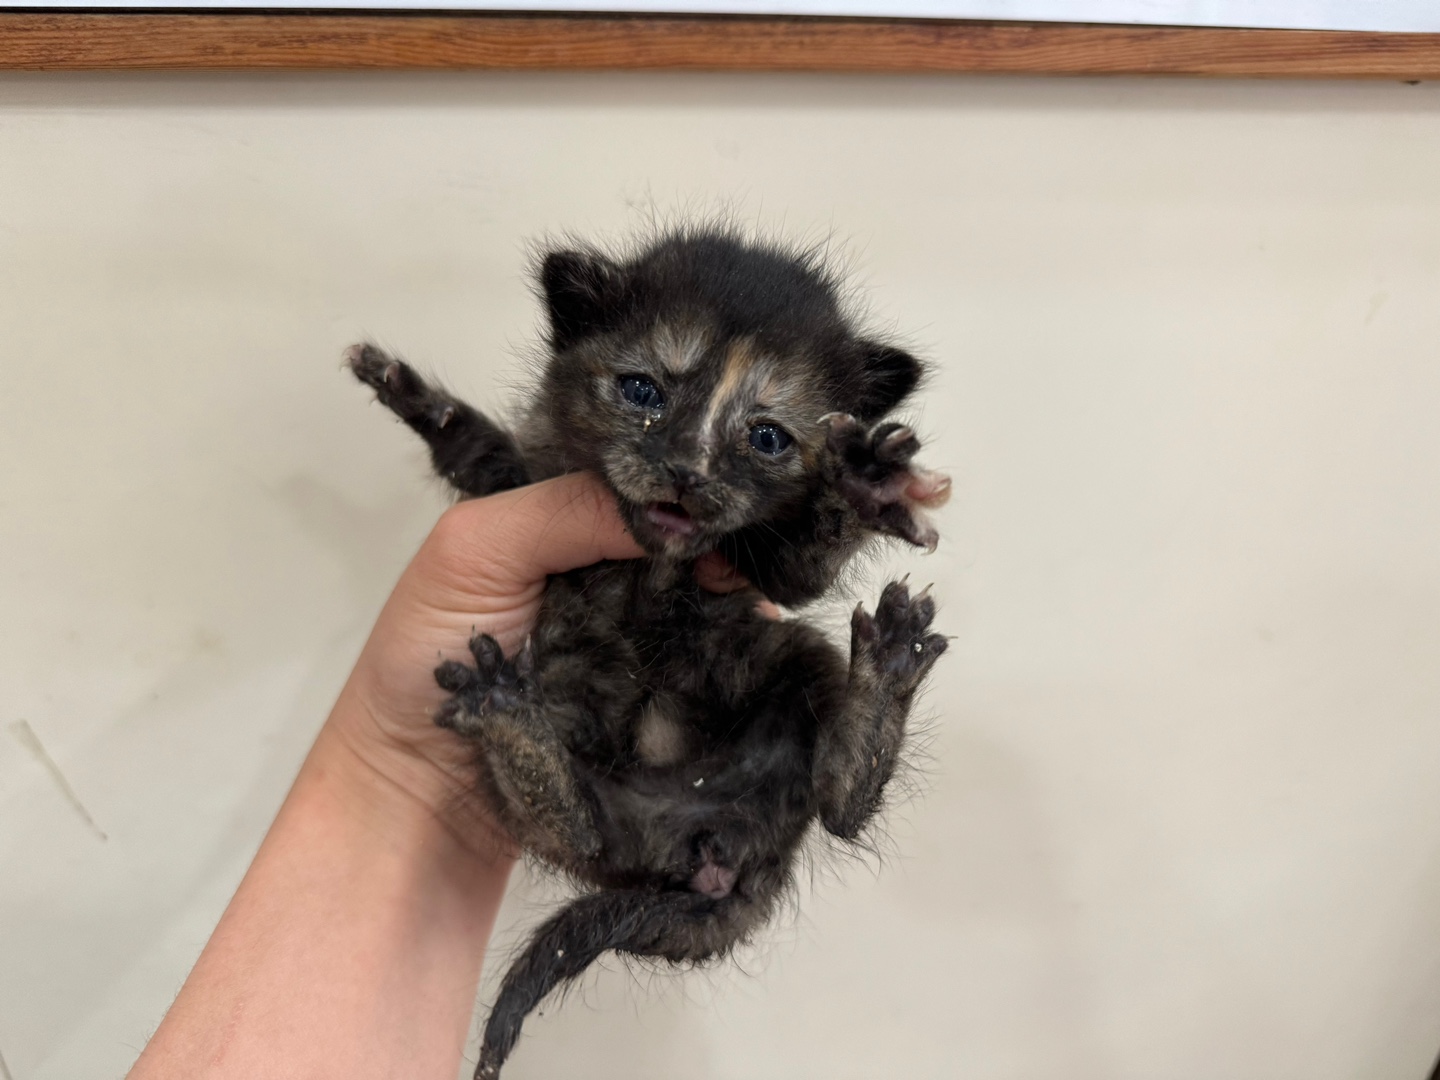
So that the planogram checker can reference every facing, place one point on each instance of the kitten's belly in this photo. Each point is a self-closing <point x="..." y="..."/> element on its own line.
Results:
<point x="697" y="759"/>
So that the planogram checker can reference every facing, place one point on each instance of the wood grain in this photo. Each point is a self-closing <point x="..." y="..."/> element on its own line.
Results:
<point x="53" y="41"/>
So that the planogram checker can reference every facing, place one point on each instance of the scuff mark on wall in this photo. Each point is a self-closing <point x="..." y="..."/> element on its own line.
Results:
<point x="26" y="737"/>
<point x="5" y="1073"/>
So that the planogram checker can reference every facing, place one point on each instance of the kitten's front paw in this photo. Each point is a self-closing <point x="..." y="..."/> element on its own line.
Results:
<point x="879" y="478"/>
<point x="399" y="387"/>
<point x="493" y="685"/>
<point x="895" y="645"/>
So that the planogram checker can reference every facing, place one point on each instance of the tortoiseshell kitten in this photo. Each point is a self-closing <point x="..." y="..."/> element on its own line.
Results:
<point x="666" y="747"/>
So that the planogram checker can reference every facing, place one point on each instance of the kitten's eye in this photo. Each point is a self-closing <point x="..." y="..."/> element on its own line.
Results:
<point x="769" y="439"/>
<point x="641" y="392"/>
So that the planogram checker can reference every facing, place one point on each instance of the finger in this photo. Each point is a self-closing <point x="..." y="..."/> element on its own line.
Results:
<point x="714" y="574"/>
<point x="545" y="528"/>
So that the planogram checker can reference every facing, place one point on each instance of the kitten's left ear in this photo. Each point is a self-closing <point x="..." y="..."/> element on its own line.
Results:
<point x="585" y="293"/>
<point x="886" y="377"/>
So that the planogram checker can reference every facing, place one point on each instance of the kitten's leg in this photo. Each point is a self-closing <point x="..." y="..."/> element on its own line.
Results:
<point x="855" y="755"/>
<point x="497" y="703"/>
<point x="468" y="449"/>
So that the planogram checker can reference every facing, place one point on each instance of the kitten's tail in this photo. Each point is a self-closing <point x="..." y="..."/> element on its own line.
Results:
<point x="664" y="924"/>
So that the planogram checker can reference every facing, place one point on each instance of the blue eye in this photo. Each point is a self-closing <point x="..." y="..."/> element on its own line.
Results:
<point x="769" y="439"/>
<point x="641" y="392"/>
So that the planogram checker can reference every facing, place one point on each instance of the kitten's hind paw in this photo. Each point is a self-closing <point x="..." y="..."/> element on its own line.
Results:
<point x="879" y="479"/>
<point x="895" y="644"/>
<point x="493" y="685"/>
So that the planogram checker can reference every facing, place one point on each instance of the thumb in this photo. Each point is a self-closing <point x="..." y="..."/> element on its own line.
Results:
<point x="518" y="537"/>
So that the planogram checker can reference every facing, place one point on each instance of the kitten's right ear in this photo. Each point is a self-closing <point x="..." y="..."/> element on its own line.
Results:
<point x="886" y="377"/>
<point x="585" y="293"/>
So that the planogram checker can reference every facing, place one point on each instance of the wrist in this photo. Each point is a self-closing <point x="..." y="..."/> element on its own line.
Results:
<point x="348" y="947"/>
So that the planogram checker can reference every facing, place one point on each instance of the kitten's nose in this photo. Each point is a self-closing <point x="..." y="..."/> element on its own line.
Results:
<point x="685" y="479"/>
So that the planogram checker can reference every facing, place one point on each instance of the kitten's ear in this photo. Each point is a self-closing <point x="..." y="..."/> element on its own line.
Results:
<point x="585" y="293"/>
<point x="886" y="377"/>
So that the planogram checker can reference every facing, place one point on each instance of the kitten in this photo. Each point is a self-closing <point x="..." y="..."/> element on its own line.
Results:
<point x="666" y="747"/>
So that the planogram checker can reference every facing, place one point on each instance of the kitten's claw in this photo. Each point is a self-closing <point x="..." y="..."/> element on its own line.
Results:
<point x="525" y="658"/>
<point x="894" y="443"/>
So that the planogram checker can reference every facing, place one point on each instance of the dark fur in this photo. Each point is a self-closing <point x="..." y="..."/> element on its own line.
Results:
<point x="666" y="747"/>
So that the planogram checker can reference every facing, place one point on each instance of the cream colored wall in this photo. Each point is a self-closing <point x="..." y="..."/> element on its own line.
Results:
<point x="1182" y="818"/>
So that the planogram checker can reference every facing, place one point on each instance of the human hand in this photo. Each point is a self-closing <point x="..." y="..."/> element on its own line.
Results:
<point x="375" y="890"/>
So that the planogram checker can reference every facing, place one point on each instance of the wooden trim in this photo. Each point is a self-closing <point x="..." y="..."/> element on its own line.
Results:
<point x="69" y="41"/>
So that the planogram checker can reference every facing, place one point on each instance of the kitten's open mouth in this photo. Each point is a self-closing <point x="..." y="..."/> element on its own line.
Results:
<point x="670" y="518"/>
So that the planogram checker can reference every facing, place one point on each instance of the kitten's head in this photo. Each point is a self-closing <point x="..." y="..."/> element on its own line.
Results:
<point x="694" y="375"/>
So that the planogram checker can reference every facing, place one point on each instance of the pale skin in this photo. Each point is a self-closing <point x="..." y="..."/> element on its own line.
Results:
<point x="354" y="944"/>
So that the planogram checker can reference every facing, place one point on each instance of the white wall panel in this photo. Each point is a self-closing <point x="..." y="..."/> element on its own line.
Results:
<point x="1182" y="818"/>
